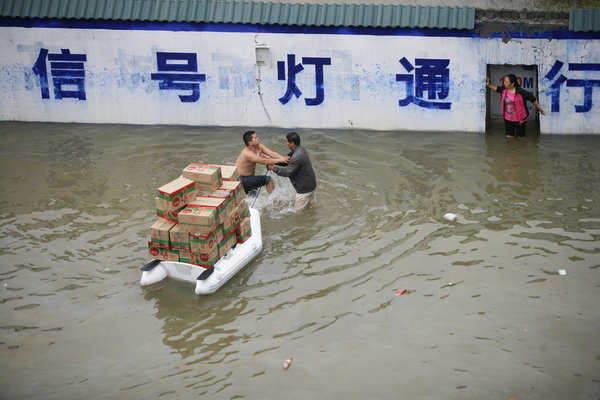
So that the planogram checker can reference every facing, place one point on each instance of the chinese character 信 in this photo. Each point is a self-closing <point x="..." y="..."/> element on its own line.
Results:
<point x="176" y="72"/>
<point x="587" y="84"/>
<point x="431" y="78"/>
<point x="68" y="74"/>
<point x="293" y="69"/>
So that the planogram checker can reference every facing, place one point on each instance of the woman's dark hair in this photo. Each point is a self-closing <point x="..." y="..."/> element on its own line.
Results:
<point x="513" y="79"/>
<point x="293" y="137"/>
<point x="247" y="137"/>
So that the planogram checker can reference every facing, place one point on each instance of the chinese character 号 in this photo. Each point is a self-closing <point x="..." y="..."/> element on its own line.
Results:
<point x="176" y="73"/>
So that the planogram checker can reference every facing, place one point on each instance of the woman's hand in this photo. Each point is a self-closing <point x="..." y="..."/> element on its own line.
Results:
<point x="539" y="108"/>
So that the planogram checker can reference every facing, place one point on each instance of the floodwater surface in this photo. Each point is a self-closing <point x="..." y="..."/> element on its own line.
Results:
<point x="502" y="302"/>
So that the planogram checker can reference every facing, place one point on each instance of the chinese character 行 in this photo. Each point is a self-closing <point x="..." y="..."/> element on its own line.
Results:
<point x="587" y="84"/>
<point x="176" y="72"/>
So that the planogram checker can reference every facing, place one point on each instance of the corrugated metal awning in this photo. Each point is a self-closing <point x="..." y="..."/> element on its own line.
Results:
<point x="584" y="20"/>
<point x="246" y="12"/>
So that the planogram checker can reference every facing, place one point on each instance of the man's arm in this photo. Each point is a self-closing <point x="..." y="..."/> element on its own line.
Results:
<point x="265" y="150"/>
<point x="251" y="157"/>
<point x="293" y="166"/>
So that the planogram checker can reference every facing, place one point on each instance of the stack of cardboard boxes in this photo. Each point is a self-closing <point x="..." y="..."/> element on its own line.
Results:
<point x="203" y="213"/>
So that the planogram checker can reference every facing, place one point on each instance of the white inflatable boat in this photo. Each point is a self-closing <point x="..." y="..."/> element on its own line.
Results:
<point x="208" y="280"/>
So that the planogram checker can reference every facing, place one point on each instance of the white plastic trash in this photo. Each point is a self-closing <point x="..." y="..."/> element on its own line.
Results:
<point x="450" y="217"/>
<point x="562" y="272"/>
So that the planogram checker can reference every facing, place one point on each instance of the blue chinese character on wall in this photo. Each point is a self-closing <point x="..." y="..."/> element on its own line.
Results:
<point x="293" y="69"/>
<point x="587" y="84"/>
<point x="177" y="71"/>
<point x="67" y="72"/>
<point x="431" y="79"/>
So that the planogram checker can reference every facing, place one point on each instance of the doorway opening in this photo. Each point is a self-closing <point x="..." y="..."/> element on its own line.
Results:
<point x="527" y="76"/>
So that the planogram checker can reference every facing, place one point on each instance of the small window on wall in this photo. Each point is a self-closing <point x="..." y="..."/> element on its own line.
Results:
<point x="527" y="77"/>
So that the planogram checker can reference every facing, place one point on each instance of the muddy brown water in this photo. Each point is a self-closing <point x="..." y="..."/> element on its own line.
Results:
<point x="486" y="313"/>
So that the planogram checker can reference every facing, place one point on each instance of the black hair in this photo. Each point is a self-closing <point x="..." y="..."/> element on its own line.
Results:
<point x="513" y="79"/>
<point x="248" y="137"/>
<point x="293" y="137"/>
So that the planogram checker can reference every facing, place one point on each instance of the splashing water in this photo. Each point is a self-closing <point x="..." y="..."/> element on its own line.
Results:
<point x="279" y="203"/>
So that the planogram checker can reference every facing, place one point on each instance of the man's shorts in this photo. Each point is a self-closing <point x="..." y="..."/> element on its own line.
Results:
<point x="253" y="182"/>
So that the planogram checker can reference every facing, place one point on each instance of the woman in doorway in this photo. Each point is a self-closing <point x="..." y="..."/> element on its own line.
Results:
<point x="514" y="109"/>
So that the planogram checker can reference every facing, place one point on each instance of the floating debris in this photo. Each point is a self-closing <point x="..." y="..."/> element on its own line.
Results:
<point x="287" y="363"/>
<point x="562" y="272"/>
<point x="450" y="217"/>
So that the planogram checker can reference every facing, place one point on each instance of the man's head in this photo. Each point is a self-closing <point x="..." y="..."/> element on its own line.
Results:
<point x="293" y="140"/>
<point x="250" y="137"/>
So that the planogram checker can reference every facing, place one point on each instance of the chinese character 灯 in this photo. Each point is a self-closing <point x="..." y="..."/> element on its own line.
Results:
<point x="293" y="69"/>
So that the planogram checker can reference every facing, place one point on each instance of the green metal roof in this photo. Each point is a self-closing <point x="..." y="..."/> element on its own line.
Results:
<point x="584" y="20"/>
<point x="245" y="12"/>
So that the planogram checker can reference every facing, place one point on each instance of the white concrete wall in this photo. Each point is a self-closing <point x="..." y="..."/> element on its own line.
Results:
<point x="360" y="87"/>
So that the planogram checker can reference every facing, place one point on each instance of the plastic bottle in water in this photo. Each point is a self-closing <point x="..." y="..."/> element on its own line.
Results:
<point x="287" y="363"/>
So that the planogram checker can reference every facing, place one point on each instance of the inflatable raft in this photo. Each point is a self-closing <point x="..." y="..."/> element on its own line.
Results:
<point x="208" y="280"/>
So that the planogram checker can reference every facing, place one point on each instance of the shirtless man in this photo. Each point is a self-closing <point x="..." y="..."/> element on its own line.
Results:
<point x="256" y="153"/>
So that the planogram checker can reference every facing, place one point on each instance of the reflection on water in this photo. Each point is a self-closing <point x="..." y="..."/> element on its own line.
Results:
<point x="486" y="314"/>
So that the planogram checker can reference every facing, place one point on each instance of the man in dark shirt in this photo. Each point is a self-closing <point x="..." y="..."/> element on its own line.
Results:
<point x="300" y="171"/>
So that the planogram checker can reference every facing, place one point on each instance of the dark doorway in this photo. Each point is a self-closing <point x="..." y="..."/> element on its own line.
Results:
<point x="527" y="76"/>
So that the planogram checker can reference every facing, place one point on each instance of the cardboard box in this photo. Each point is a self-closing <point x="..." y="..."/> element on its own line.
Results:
<point x="215" y="203"/>
<point x="196" y="218"/>
<point x="166" y="214"/>
<point x="235" y="218"/>
<point x="226" y="227"/>
<point x="159" y="232"/>
<point x="228" y="242"/>
<point x="180" y="238"/>
<point x="161" y="253"/>
<point x="244" y="230"/>
<point x="206" y="177"/>
<point x="244" y="209"/>
<point x="176" y="194"/>
<point x="236" y="189"/>
<point x="207" y="259"/>
<point x="221" y="194"/>
<point x="201" y="243"/>
<point x="219" y="233"/>
<point x="228" y="172"/>
<point x="185" y="256"/>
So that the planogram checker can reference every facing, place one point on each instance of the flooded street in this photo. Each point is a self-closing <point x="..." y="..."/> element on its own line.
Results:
<point x="486" y="315"/>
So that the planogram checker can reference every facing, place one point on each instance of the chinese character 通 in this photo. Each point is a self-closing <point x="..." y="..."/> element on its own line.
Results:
<point x="176" y="73"/>
<point x="431" y="77"/>
<point x="67" y="72"/>
<point x="293" y="69"/>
